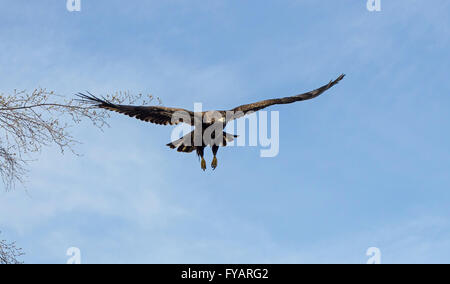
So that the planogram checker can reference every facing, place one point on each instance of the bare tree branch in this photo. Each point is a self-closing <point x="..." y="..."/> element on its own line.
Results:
<point x="9" y="253"/>
<point x="30" y="121"/>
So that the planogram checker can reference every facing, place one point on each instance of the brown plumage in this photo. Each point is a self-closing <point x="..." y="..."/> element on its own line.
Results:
<point x="172" y="116"/>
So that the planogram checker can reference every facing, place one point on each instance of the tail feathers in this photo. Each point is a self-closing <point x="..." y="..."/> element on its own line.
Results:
<point x="227" y="137"/>
<point x="186" y="149"/>
<point x="186" y="144"/>
<point x="175" y="144"/>
<point x="181" y="147"/>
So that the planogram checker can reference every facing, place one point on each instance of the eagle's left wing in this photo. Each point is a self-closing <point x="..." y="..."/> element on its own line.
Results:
<point x="246" y="109"/>
<point x="154" y="114"/>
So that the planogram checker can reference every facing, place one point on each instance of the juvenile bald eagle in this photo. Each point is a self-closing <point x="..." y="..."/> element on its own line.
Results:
<point x="197" y="140"/>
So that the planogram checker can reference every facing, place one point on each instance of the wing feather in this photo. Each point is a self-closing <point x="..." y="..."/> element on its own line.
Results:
<point x="248" y="108"/>
<point x="154" y="114"/>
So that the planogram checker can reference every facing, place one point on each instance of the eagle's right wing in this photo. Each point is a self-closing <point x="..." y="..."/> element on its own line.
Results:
<point x="154" y="114"/>
<point x="253" y="107"/>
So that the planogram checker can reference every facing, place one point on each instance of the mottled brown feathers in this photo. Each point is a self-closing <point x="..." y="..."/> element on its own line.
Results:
<point x="154" y="114"/>
<point x="248" y="108"/>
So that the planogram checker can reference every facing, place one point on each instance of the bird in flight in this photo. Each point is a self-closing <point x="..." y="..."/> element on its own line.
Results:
<point x="208" y="125"/>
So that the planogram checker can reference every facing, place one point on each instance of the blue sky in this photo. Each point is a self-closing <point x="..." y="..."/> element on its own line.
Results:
<point x="364" y="165"/>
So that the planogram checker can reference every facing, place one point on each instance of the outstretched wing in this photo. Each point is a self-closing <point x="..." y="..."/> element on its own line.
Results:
<point x="154" y="114"/>
<point x="246" y="109"/>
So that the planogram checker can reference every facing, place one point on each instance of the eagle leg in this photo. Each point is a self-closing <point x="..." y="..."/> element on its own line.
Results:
<point x="215" y="148"/>
<point x="203" y="164"/>
<point x="200" y="153"/>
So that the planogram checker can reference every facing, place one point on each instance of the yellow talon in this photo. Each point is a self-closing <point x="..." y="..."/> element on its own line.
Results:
<point x="203" y="164"/>
<point x="214" y="163"/>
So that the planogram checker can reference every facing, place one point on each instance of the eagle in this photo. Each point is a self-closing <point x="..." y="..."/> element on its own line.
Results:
<point x="203" y="121"/>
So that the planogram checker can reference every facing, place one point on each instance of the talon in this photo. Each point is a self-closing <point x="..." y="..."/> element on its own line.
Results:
<point x="203" y="164"/>
<point x="214" y="163"/>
